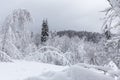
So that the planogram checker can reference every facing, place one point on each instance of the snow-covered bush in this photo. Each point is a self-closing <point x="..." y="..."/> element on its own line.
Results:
<point x="30" y="48"/>
<point x="72" y="48"/>
<point x="62" y="43"/>
<point x="112" y="48"/>
<point x="77" y="50"/>
<point x="92" y="53"/>
<point x="12" y="51"/>
<point x="48" y="54"/>
<point x="4" y="57"/>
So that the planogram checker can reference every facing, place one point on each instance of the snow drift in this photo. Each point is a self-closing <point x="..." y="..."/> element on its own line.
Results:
<point x="72" y="73"/>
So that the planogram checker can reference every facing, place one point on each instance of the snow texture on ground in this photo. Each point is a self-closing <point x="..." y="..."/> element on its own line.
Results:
<point x="20" y="70"/>
<point x="25" y="70"/>
<point x="72" y="73"/>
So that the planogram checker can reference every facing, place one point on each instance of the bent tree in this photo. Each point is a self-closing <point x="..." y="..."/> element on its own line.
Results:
<point x="14" y="22"/>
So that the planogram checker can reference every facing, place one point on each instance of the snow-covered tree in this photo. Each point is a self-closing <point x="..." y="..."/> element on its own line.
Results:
<point x="19" y="18"/>
<point x="45" y="31"/>
<point x="48" y="54"/>
<point x="112" y="20"/>
<point x="14" y="32"/>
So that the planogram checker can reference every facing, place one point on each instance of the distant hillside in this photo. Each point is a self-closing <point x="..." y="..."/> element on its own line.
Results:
<point x="89" y="36"/>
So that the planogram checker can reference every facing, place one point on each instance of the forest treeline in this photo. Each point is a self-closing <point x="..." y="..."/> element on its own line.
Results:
<point x="94" y="37"/>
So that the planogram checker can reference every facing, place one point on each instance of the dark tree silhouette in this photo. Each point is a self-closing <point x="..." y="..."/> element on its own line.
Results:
<point x="45" y="31"/>
<point x="107" y="33"/>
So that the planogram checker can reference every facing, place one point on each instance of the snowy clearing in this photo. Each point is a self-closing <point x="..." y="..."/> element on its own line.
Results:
<point x="24" y="70"/>
<point x="20" y="70"/>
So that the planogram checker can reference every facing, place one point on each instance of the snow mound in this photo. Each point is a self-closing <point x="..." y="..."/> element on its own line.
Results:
<point x="72" y="73"/>
<point x="98" y="68"/>
<point x="20" y="70"/>
<point x="48" y="55"/>
<point x="113" y="66"/>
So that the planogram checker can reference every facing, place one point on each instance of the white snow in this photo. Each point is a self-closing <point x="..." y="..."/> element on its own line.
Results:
<point x="26" y="70"/>
<point x="48" y="54"/>
<point x="72" y="73"/>
<point x="113" y="66"/>
<point x="20" y="70"/>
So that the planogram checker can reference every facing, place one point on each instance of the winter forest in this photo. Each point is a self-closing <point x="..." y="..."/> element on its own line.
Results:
<point x="60" y="55"/>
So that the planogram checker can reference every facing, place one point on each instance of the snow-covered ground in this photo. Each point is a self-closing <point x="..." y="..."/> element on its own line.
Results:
<point x="24" y="70"/>
<point x="20" y="70"/>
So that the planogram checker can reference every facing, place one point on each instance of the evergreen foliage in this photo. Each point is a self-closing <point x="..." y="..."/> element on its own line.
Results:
<point x="44" y="32"/>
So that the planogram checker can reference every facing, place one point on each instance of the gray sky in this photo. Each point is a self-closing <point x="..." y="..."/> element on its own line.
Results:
<point x="61" y="14"/>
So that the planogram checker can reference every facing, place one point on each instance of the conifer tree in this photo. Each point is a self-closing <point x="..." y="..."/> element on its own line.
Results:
<point x="45" y="31"/>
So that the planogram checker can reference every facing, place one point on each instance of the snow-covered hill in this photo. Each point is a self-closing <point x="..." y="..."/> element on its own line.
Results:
<point x="72" y="73"/>
<point x="24" y="70"/>
<point x="19" y="70"/>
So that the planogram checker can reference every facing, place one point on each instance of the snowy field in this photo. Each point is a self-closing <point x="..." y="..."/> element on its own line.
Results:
<point x="24" y="70"/>
<point x="31" y="53"/>
<point x="19" y="70"/>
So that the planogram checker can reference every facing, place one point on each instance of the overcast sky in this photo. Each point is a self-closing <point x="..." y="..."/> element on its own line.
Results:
<point x="61" y="14"/>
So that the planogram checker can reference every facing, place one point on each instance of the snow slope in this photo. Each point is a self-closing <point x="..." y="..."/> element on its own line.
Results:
<point x="24" y="70"/>
<point x="72" y="73"/>
<point x="20" y="70"/>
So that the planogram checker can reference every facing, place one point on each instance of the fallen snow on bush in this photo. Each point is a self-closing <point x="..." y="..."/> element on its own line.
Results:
<point x="48" y="54"/>
<point x="4" y="57"/>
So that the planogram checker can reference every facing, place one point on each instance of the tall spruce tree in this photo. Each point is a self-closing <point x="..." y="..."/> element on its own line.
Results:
<point x="45" y="31"/>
